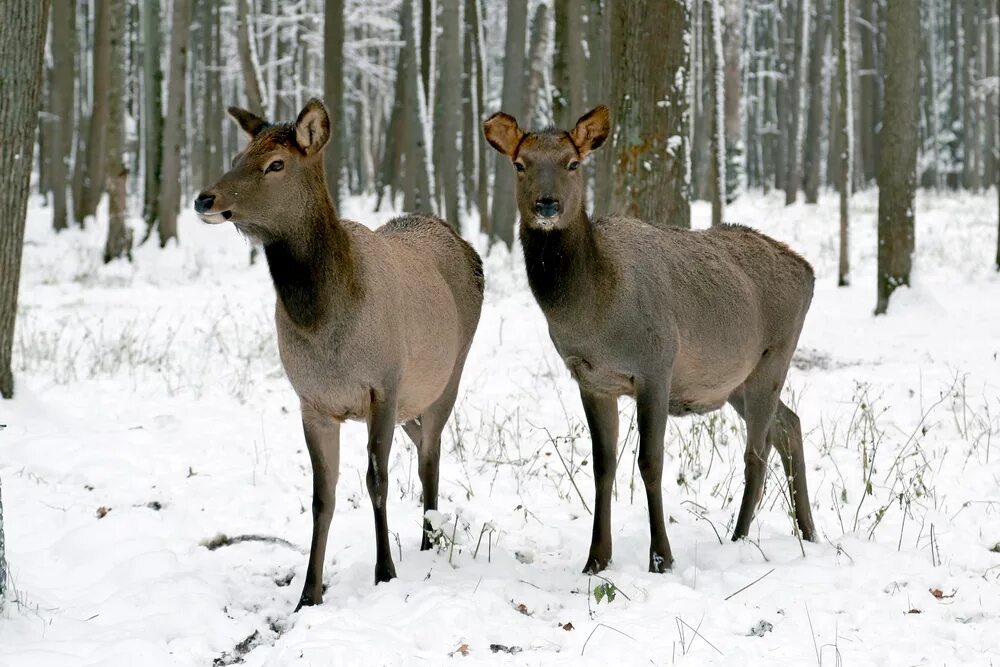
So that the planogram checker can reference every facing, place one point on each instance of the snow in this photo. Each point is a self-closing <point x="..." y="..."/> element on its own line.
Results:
<point x="154" y="391"/>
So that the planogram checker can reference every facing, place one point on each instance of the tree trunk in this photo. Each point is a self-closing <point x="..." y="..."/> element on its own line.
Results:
<point x="93" y="180"/>
<point x="63" y="78"/>
<point x="512" y="97"/>
<point x="253" y="85"/>
<point x="868" y="79"/>
<point x="333" y="90"/>
<point x="972" y="139"/>
<point x="537" y="63"/>
<point x="597" y="92"/>
<point x="814" y="132"/>
<point x="3" y="554"/>
<point x="897" y="176"/>
<point x="397" y="141"/>
<point x="797" y="100"/>
<point x="448" y="129"/>
<point x="173" y="132"/>
<point x="718" y="96"/>
<point x="651" y="60"/>
<point x="733" y="47"/>
<point x="152" y="113"/>
<point x="119" y="241"/>
<point x="419" y="166"/>
<point x="845" y="145"/>
<point x="22" y="46"/>
<point x="568" y="63"/>
<point x="474" y="27"/>
<point x="471" y="111"/>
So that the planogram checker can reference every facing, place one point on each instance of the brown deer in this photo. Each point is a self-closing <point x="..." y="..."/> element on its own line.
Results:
<point x="372" y="325"/>
<point x="683" y="321"/>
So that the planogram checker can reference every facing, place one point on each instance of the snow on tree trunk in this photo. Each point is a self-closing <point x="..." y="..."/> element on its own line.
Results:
<point x="897" y="176"/>
<point x="474" y="23"/>
<point x="512" y="99"/>
<point x="93" y="176"/>
<point x="22" y="44"/>
<point x="650" y="57"/>
<point x="152" y="113"/>
<point x="846" y="143"/>
<point x="536" y="65"/>
<point x="119" y="241"/>
<point x="598" y="91"/>
<point x="253" y="84"/>
<point x="718" y="116"/>
<point x="173" y="132"/>
<point x="568" y="62"/>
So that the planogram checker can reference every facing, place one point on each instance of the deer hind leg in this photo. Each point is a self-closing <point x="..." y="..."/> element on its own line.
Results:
<point x="786" y="434"/>
<point x="756" y="401"/>
<point x="602" y="419"/>
<point x="323" y="441"/>
<point x="381" y="425"/>
<point x="432" y="424"/>
<point x="651" y="410"/>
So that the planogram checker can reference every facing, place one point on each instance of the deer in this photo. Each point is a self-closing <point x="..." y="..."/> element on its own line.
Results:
<point x="681" y="321"/>
<point x="372" y="325"/>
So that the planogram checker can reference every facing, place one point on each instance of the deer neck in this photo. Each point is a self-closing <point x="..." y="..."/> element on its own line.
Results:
<point x="564" y="267"/>
<point x="314" y="268"/>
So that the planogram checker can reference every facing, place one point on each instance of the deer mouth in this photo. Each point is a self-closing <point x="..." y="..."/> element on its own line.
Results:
<point x="546" y="222"/>
<point x="217" y="217"/>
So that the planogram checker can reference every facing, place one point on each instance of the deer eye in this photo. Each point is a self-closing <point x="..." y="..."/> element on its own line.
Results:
<point x="519" y="166"/>
<point x="573" y="165"/>
<point x="277" y="165"/>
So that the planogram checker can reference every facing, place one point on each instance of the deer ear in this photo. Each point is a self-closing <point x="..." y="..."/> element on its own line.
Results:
<point x="592" y="130"/>
<point x="502" y="132"/>
<point x="312" y="127"/>
<point x="251" y="123"/>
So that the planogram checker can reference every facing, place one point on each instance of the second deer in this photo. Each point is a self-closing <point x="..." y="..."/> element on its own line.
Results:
<point x="684" y="321"/>
<point x="372" y="325"/>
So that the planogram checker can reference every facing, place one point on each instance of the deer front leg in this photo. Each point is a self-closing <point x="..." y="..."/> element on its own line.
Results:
<point x="381" y="424"/>
<point x="651" y="409"/>
<point x="323" y="441"/>
<point x="602" y="418"/>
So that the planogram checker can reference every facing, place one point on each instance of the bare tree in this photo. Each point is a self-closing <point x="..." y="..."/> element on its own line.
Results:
<point x="718" y="95"/>
<point x="448" y="127"/>
<point x="504" y="206"/>
<point x="474" y="33"/>
<point x="93" y="178"/>
<point x="534" y="79"/>
<point x="897" y="174"/>
<point x="119" y="241"/>
<point x="797" y="99"/>
<point x="63" y="48"/>
<point x="846" y="143"/>
<point x="22" y="44"/>
<point x="333" y="91"/>
<point x="253" y="85"/>
<point x="152" y="113"/>
<point x="568" y="62"/>
<point x="650" y="57"/>
<point x="173" y="132"/>
<point x="811" y="159"/>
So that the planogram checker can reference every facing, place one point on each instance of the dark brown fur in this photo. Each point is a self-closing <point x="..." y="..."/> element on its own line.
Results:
<point x="372" y="325"/>
<point x="684" y="321"/>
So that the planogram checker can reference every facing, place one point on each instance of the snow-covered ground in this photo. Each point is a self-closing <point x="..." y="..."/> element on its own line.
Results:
<point x="153" y="416"/>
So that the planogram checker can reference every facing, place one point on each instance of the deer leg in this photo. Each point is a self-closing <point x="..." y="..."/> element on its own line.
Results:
<point x="602" y="419"/>
<point x="786" y="435"/>
<point x="652" y="406"/>
<point x="381" y="425"/>
<point x="323" y="441"/>
<point x="432" y="424"/>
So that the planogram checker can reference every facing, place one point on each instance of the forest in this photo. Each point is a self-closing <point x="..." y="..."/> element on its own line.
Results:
<point x="156" y="486"/>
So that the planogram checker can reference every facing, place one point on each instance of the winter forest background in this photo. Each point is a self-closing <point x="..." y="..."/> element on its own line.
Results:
<point x="151" y="414"/>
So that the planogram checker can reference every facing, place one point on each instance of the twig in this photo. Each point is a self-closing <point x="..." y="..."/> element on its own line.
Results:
<point x="732" y="595"/>
<point x="698" y="634"/>
<point x="601" y="625"/>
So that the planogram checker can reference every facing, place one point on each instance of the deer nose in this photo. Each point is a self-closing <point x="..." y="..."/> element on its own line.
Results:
<point x="546" y="206"/>
<point x="203" y="202"/>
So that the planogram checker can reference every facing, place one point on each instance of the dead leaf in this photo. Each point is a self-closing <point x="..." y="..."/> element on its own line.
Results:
<point x="913" y="611"/>
<point x="941" y="595"/>
<point x="102" y="511"/>
<point x="521" y="607"/>
<point x="462" y="648"/>
<point x="566" y="626"/>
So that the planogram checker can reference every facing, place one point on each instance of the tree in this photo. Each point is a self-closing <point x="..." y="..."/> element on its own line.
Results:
<point x="868" y="82"/>
<point x="449" y="110"/>
<point x="568" y="63"/>
<point x="63" y="47"/>
<point x="333" y="91"/>
<point x="22" y="45"/>
<point x="797" y="99"/>
<point x="897" y="174"/>
<point x="534" y="76"/>
<point x="253" y="85"/>
<point x="811" y="150"/>
<point x="152" y="113"/>
<point x="845" y="145"/>
<point x="504" y="206"/>
<point x="650" y="57"/>
<point x="93" y="176"/>
<point x="119" y="241"/>
<point x="474" y="35"/>
<point x="597" y="92"/>
<point x="718" y="95"/>
<point x="173" y="131"/>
